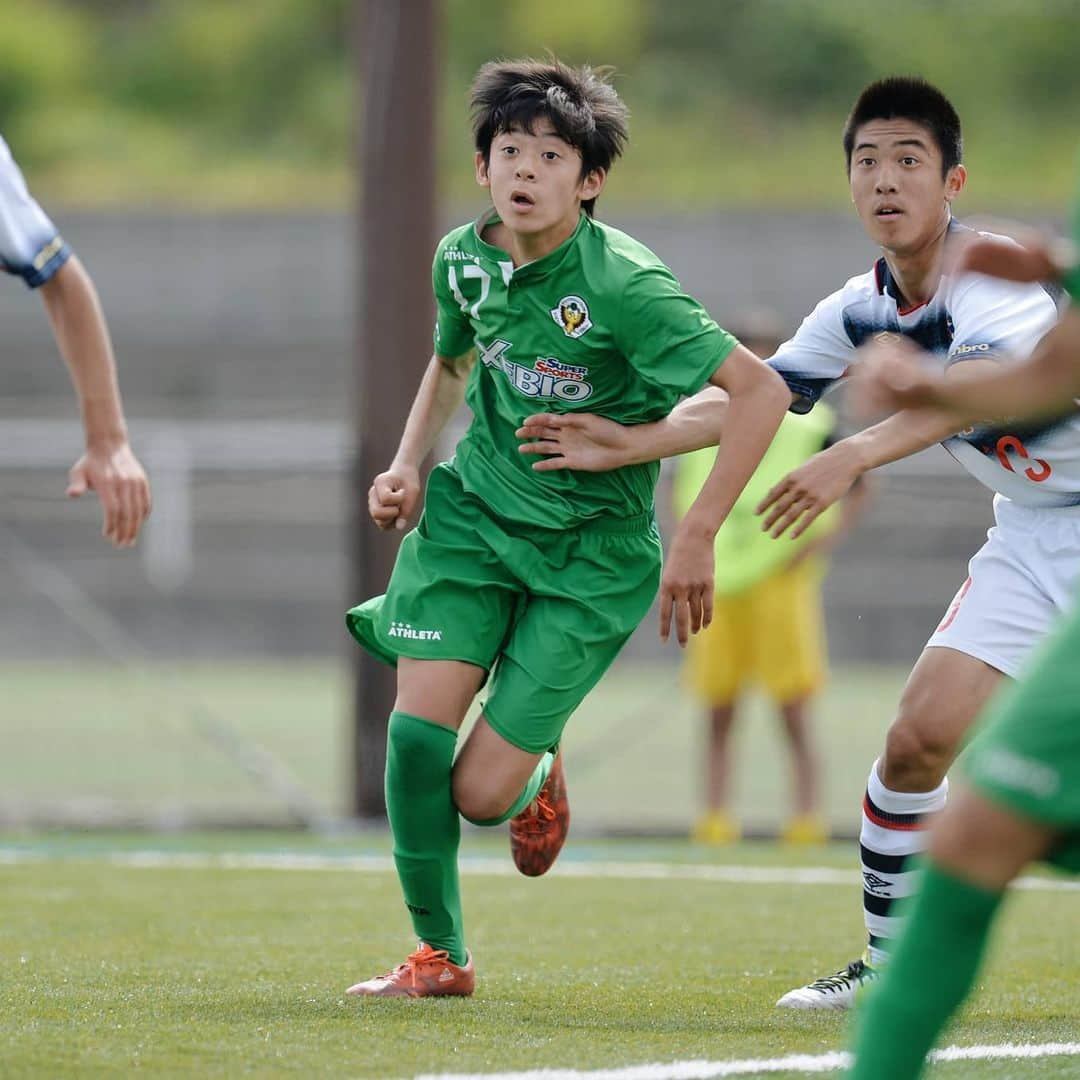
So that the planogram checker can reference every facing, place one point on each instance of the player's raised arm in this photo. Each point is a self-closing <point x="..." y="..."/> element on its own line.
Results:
<point x="393" y="494"/>
<point x="891" y="376"/>
<point x="1044" y="385"/>
<point x="757" y="402"/>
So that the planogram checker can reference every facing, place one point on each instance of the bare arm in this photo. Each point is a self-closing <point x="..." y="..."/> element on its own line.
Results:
<point x="109" y="466"/>
<point x="1045" y="384"/>
<point x="806" y="492"/>
<point x="589" y="443"/>
<point x="758" y="399"/>
<point x="852" y="510"/>
<point x="394" y="493"/>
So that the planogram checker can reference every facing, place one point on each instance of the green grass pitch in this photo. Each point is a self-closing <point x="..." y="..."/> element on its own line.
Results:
<point x="199" y="970"/>
<point x="84" y="740"/>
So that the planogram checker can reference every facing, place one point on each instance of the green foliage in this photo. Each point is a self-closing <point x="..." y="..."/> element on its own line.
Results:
<point x="235" y="102"/>
<point x="43" y="62"/>
<point x="770" y="54"/>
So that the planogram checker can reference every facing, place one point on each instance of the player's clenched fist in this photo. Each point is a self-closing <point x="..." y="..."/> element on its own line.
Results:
<point x="393" y="495"/>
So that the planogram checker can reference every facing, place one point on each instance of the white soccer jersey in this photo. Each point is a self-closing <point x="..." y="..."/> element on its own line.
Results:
<point x="968" y="317"/>
<point x="30" y="245"/>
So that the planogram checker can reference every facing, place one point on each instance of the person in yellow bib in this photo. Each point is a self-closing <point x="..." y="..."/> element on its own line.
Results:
<point x="767" y="627"/>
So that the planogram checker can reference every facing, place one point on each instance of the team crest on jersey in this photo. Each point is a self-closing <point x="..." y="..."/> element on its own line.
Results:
<point x="572" y="314"/>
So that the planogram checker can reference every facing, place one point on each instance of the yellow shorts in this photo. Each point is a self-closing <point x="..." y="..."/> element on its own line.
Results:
<point x="772" y="634"/>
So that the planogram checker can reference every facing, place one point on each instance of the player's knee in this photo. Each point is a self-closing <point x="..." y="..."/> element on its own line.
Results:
<point x="409" y="747"/>
<point x="917" y="755"/>
<point x="478" y="803"/>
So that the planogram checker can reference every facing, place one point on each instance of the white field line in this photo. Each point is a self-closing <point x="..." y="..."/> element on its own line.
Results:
<point x="484" y="867"/>
<point x="799" y="1063"/>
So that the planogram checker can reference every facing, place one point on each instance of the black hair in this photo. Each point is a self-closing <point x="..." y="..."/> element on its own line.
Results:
<point x="581" y="104"/>
<point x="904" y="97"/>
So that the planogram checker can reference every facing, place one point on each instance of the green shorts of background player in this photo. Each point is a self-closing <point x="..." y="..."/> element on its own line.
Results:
<point x="527" y="581"/>
<point x="1021" y="796"/>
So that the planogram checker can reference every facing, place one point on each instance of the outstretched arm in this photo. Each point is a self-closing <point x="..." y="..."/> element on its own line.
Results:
<point x="108" y="466"/>
<point x="808" y="491"/>
<point x="1046" y="384"/>
<point x="394" y="493"/>
<point x="589" y="443"/>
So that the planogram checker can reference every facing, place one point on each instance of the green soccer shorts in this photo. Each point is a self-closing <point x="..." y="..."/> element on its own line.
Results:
<point x="544" y="611"/>
<point x="1026" y="753"/>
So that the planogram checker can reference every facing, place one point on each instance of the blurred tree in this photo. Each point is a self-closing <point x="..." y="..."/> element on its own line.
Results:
<point x="43" y="61"/>
<point x="232" y="101"/>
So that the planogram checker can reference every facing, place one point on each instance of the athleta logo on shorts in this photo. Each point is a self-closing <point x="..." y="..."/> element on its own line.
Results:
<point x="572" y="314"/>
<point x="405" y="630"/>
<point x="548" y="378"/>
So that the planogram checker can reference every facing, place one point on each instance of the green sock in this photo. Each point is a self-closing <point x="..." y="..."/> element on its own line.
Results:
<point x="528" y="792"/>
<point x="426" y="828"/>
<point x="930" y="973"/>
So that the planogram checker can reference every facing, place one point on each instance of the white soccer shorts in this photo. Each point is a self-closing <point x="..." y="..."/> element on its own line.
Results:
<point x="1018" y="583"/>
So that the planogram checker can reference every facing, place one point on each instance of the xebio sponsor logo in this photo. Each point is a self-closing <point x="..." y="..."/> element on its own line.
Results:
<point x="548" y="378"/>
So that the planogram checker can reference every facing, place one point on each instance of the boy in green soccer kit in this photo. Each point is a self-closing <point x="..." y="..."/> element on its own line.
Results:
<point x="1021" y="801"/>
<point x="527" y="581"/>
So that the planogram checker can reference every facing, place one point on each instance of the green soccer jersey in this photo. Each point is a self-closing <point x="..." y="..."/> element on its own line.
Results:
<point x="598" y="325"/>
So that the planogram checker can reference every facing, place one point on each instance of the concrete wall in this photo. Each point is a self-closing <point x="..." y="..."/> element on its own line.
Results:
<point x="250" y="317"/>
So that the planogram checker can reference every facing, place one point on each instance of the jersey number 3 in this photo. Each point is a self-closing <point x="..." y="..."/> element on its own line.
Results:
<point x="1011" y="442"/>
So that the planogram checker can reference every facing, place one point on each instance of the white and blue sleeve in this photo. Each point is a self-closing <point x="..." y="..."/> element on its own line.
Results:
<point x="816" y="356"/>
<point x="998" y="318"/>
<point x="30" y="244"/>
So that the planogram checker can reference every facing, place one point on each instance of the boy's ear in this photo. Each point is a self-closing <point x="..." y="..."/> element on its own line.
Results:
<point x="482" y="171"/>
<point x="954" y="182"/>
<point x="593" y="184"/>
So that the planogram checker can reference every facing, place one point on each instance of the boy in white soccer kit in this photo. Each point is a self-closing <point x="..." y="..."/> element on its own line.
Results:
<point x="903" y="148"/>
<point x="1018" y="582"/>
<point x="1024" y="572"/>
<point x="32" y="248"/>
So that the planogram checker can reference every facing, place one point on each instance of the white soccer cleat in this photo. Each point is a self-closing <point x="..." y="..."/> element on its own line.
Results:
<point x="834" y="991"/>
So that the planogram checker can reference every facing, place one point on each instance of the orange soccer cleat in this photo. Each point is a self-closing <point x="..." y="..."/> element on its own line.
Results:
<point x="538" y="833"/>
<point x="427" y="972"/>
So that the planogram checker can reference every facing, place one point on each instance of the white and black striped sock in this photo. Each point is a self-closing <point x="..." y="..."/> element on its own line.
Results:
<point x="894" y="825"/>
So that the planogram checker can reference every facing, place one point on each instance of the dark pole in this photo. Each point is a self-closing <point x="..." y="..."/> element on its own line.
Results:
<point x="397" y="46"/>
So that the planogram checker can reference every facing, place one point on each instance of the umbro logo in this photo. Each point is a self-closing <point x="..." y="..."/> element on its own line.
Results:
<point x="875" y="884"/>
